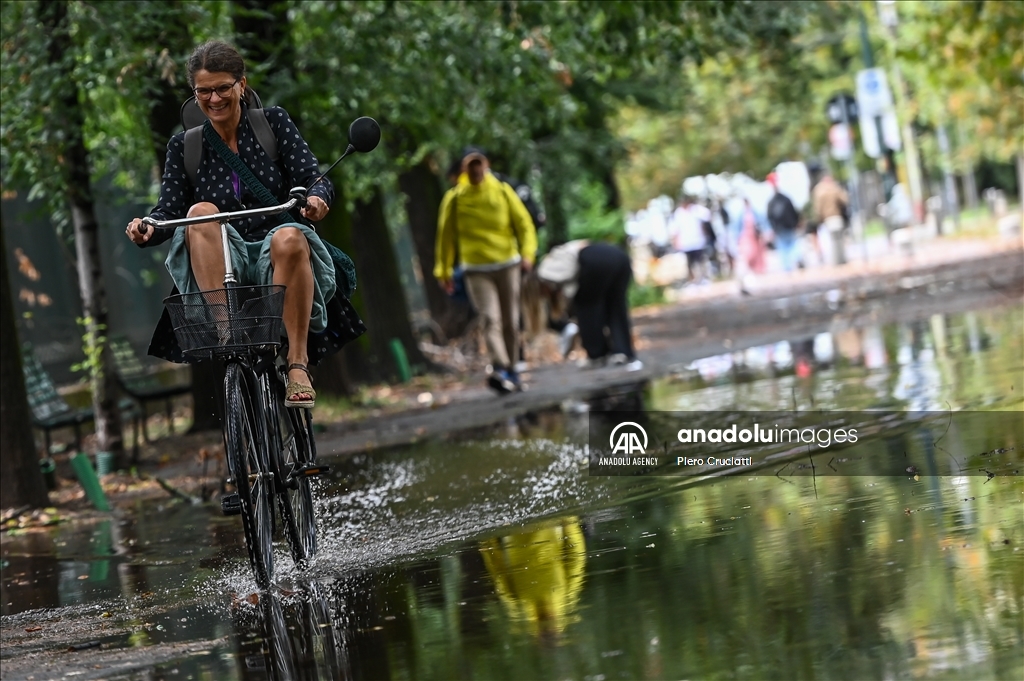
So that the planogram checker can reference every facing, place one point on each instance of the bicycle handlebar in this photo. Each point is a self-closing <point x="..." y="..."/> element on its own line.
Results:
<point x="225" y="217"/>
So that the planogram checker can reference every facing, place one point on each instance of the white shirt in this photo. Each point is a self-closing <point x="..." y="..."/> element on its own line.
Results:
<point x="687" y="233"/>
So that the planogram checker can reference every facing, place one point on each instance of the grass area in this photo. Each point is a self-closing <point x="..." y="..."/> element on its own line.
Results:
<point x="874" y="227"/>
<point x="371" y="400"/>
<point x="641" y="294"/>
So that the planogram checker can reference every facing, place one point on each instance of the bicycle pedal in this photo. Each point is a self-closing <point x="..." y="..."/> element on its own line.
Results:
<point x="310" y="470"/>
<point x="230" y="504"/>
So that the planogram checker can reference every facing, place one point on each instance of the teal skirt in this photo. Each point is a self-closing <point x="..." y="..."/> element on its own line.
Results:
<point x="251" y="261"/>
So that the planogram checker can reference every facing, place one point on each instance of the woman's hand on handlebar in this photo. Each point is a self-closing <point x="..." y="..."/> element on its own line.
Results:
<point x="138" y="232"/>
<point x="316" y="209"/>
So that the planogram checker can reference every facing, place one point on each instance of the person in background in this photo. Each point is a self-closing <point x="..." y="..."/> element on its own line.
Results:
<point x="719" y="253"/>
<point x="593" y="278"/>
<point x="748" y="230"/>
<point x="689" y="235"/>
<point x="486" y="223"/>
<point x="829" y="201"/>
<point x="784" y="221"/>
<point x="899" y="211"/>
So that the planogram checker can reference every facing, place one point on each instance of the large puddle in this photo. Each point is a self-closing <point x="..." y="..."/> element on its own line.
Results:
<point x="501" y="558"/>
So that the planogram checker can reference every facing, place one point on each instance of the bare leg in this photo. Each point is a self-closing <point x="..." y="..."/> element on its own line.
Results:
<point x="289" y="256"/>
<point x="205" y="249"/>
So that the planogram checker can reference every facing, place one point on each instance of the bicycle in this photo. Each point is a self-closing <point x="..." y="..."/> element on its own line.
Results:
<point x="241" y="326"/>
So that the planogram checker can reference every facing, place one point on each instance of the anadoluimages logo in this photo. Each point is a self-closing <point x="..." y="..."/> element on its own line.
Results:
<point x="628" y="441"/>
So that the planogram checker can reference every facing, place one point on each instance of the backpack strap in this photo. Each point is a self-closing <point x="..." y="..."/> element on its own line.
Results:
<point x="264" y="135"/>
<point x="193" y="152"/>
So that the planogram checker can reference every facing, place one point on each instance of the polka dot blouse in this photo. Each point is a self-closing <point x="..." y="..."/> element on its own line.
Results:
<point x="217" y="183"/>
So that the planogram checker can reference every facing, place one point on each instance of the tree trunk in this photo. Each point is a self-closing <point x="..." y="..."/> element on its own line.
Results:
<point x="171" y="39"/>
<point x="265" y="39"/>
<point x="334" y="375"/>
<point x="558" y="223"/>
<point x="970" y="188"/>
<point x="264" y="35"/>
<point x="422" y="201"/>
<point x="385" y="309"/>
<point x="76" y="171"/>
<point x="21" y="483"/>
<point x="1020" y="179"/>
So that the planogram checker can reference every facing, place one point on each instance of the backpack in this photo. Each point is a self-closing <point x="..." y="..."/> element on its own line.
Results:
<point x="525" y="194"/>
<point x="192" y="119"/>
<point x="782" y="215"/>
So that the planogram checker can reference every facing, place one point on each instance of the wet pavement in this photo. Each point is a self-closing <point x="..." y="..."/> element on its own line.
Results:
<point x="497" y="556"/>
<point x="942" y="277"/>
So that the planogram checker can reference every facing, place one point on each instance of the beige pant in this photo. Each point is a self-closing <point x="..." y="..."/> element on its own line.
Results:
<point x="495" y="295"/>
<point x="830" y="235"/>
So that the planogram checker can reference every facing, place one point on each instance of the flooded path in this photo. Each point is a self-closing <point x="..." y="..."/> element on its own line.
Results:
<point x="499" y="557"/>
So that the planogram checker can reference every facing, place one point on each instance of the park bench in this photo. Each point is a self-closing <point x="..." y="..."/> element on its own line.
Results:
<point x="141" y="385"/>
<point x="50" y="411"/>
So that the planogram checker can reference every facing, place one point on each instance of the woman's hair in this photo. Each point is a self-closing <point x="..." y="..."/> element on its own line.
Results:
<point x="215" y="56"/>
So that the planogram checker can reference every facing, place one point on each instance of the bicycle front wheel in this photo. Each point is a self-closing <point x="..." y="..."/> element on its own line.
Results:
<point x="245" y="430"/>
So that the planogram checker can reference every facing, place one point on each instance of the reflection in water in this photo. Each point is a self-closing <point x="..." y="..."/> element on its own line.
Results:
<point x="432" y="569"/>
<point x="292" y="636"/>
<point x="940" y="362"/>
<point x="538" y="575"/>
<point x="919" y="382"/>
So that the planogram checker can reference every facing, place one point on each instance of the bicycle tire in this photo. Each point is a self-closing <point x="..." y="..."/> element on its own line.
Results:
<point x="320" y="641"/>
<point x="244" y="430"/>
<point x="295" y="496"/>
<point x="277" y="639"/>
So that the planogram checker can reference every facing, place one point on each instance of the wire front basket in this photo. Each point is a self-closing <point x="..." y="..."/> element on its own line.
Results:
<point x="224" y="321"/>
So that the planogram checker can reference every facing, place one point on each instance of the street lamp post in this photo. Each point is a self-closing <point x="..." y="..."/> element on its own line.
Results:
<point x="875" y="119"/>
<point x="890" y="19"/>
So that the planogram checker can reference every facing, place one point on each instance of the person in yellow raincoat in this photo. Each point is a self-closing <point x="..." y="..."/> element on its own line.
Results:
<point x="484" y="221"/>
<point x="538" y="574"/>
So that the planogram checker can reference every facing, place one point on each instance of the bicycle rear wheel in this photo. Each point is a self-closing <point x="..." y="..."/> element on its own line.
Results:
<point x="295" y="497"/>
<point x="245" y="431"/>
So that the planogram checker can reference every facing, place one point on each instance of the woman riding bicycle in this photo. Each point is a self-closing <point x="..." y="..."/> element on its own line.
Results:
<point x="263" y="251"/>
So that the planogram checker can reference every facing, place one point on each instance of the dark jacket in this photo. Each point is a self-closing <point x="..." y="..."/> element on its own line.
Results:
<point x="296" y="167"/>
<point x="782" y="214"/>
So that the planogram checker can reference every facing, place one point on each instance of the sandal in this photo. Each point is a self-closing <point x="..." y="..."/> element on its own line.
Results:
<point x="295" y="388"/>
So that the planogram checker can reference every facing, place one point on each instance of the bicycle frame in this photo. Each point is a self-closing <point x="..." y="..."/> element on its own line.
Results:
<point x="277" y="475"/>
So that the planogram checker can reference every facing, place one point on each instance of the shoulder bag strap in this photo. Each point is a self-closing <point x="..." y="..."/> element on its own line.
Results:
<point x="236" y="164"/>
<point x="260" y="128"/>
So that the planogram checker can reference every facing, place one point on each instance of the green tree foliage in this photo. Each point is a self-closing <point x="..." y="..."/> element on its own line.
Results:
<point x="756" y="100"/>
<point x="965" y="64"/>
<point x="537" y="83"/>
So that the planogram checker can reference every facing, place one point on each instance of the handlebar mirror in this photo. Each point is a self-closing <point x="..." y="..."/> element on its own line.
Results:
<point x="364" y="134"/>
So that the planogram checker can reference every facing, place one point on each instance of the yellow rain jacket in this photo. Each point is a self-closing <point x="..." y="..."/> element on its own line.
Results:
<point x="486" y="223"/>
<point x="538" y="574"/>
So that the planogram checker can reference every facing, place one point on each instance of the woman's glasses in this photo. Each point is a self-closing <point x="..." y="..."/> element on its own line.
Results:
<point x="204" y="93"/>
